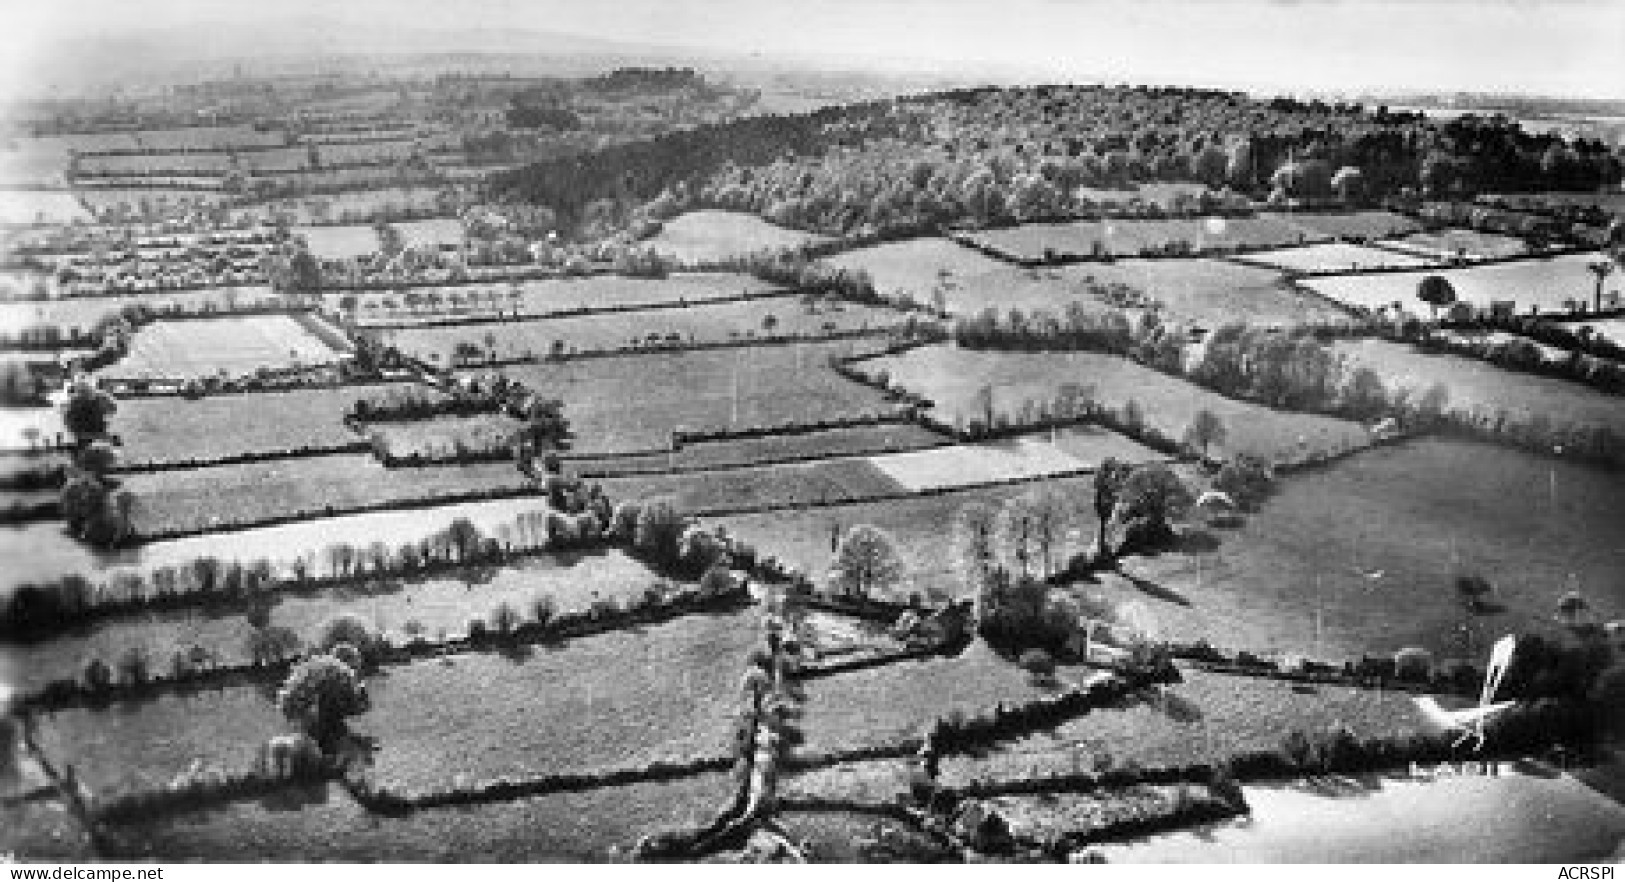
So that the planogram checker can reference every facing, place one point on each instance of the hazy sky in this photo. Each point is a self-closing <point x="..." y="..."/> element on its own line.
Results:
<point x="1564" y="47"/>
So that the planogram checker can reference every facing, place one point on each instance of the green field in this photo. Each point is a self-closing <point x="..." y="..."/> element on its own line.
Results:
<point x="885" y="705"/>
<point x="1195" y="291"/>
<point x="707" y="236"/>
<point x="634" y="402"/>
<point x="950" y="377"/>
<point x="442" y="437"/>
<point x="1128" y="238"/>
<point x="1479" y="386"/>
<point x="172" y="428"/>
<point x="1469" y="244"/>
<point x="1205" y="718"/>
<point x="219" y="497"/>
<point x="919" y="526"/>
<point x="1336" y="257"/>
<point x="234" y="347"/>
<point x="82" y="313"/>
<point x="669" y="691"/>
<point x="823" y="481"/>
<point x="1026" y="458"/>
<point x="1209" y="293"/>
<point x="339" y="242"/>
<point x="714" y="323"/>
<point x="1539" y="282"/>
<point x="324" y="824"/>
<point x="1362" y="556"/>
<point x="137" y="746"/>
<point x="442" y="605"/>
<point x="543" y="297"/>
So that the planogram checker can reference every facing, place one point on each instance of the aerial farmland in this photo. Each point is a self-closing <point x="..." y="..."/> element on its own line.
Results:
<point x="552" y="456"/>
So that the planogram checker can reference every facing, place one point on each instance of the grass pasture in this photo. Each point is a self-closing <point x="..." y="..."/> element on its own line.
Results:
<point x="141" y="745"/>
<point x="997" y="461"/>
<point x="1197" y="291"/>
<point x="634" y="402"/>
<point x="431" y="233"/>
<point x="1128" y="238"/>
<point x="1539" y="282"/>
<point x="951" y="377"/>
<point x="440" y="605"/>
<point x="542" y="297"/>
<point x="1349" y="225"/>
<point x="231" y="346"/>
<point x="82" y="313"/>
<point x="822" y="481"/>
<point x="339" y="242"/>
<point x="1209" y="293"/>
<point x="324" y="824"/>
<point x="173" y="428"/>
<point x="1362" y="556"/>
<point x="668" y="691"/>
<point x="888" y="704"/>
<point x="442" y="436"/>
<point x="1467" y="244"/>
<point x="1205" y="718"/>
<point x="710" y="323"/>
<point x="1335" y="257"/>
<point x="22" y="207"/>
<point x="918" y="525"/>
<point x="220" y="497"/>
<point x="1479" y="386"/>
<point x="700" y="237"/>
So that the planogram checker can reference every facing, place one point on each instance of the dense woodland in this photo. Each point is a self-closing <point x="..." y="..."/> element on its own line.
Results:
<point x="996" y="155"/>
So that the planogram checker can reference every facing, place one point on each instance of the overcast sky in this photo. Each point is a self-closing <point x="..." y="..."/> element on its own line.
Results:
<point x="1557" y="47"/>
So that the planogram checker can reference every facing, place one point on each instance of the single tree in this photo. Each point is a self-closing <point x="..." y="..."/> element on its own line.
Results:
<point x="1109" y="479"/>
<point x="1205" y="431"/>
<point x="1602" y="269"/>
<point x="867" y="562"/>
<point x="1437" y="292"/>
<point x="319" y="693"/>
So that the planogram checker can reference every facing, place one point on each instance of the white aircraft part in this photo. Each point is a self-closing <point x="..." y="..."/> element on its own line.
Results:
<point x="1500" y="658"/>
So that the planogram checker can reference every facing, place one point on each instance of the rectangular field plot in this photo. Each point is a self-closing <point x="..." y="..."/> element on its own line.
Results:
<point x="217" y="497"/>
<point x="825" y="481"/>
<point x="998" y="461"/>
<point x="431" y="233"/>
<point x="1206" y="293"/>
<point x="1349" y="225"/>
<point x="442" y="437"/>
<point x="1336" y="257"/>
<point x="324" y="824"/>
<point x="80" y="314"/>
<point x="438" y="606"/>
<point x="634" y="402"/>
<point x="40" y="207"/>
<point x="1467" y="244"/>
<point x="1128" y="238"/>
<point x="355" y="206"/>
<point x="144" y="745"/>
<point x="1205" y="718"/>
<point x="1362" y="556"/>
<point x="1481" y="386"/>
<point x="713" y="323"/>
<point x="545" y="297"/>
<point x="622" y="698"/>
<point x="44" y="550"/>
<point x="952" y="378"/>
<point x="918" y="525"/>
<point x="706" y="236"/>
<point x="886" y="705"/>
<point x="176" y="429"/>
<point x="22" y="428"/>
<point x="1543" y="283"/>
<point x="234" y="346"/>
<point x="338" y="242"/>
